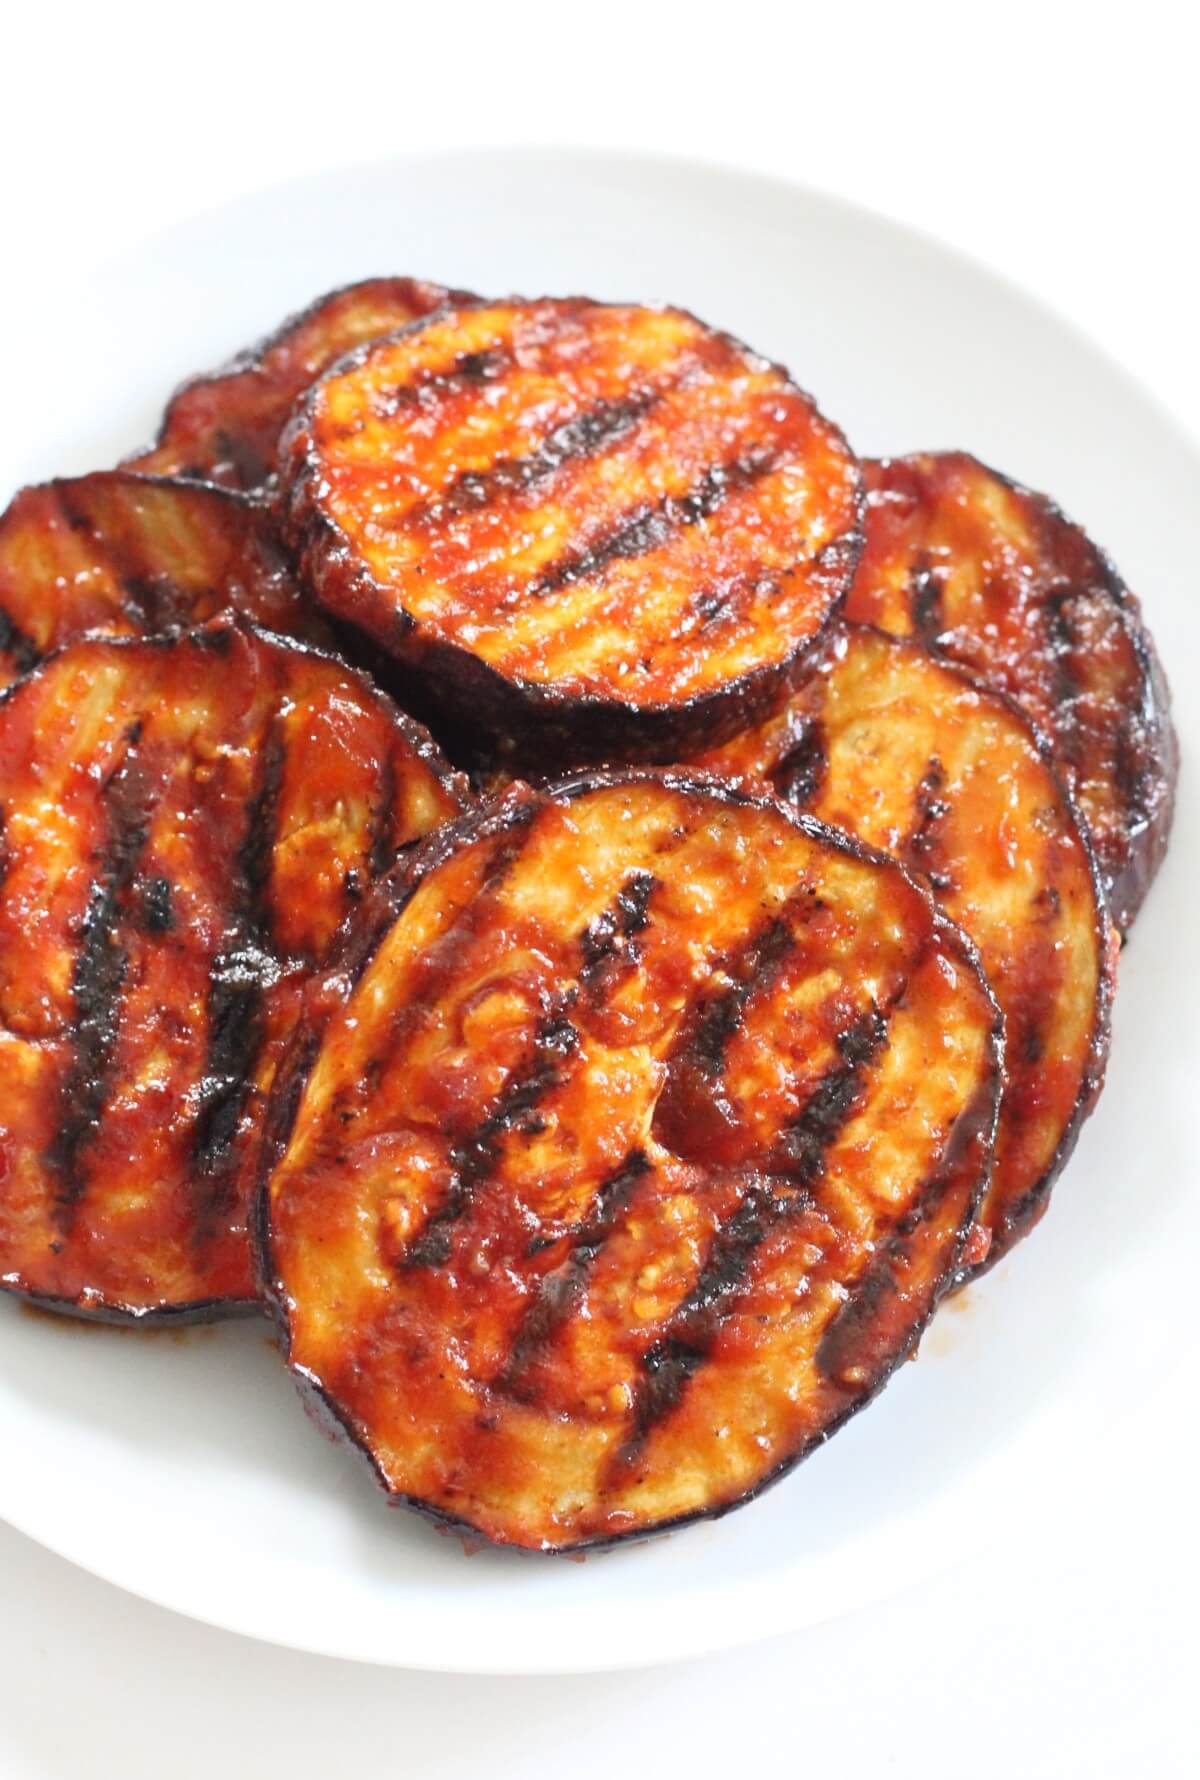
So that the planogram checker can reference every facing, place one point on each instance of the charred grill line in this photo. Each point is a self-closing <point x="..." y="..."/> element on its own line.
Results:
<point x="22" y="649"/>
<point x="98" y="980"/>
<point x="722" y="1017"/>
<point x="239" y="975"/>
<point x="474" y="1160"/>
<point x="798" y="1166"/>
<point x="1068" y="686"/>
<point x="585" y="435"/>
<point x="648" y="528"/>
<point x="925" y="600"/>
<point x="560" y="1290"/>
<point x="468" y="370"/>
<point x="920" y="846"/>
<point x="607" y="938"/>
<point x="802" y="1147"/>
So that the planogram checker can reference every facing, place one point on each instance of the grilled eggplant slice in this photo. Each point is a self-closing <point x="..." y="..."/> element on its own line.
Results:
<point x="185" y="821"/>
<point x="640" y="1137"/>
<point x="911" y="755"/>
<point x="224" y="427"/>
<point x="997" y="579"/>
<point x="596" y="531"/>
<point x="129" y="555"/>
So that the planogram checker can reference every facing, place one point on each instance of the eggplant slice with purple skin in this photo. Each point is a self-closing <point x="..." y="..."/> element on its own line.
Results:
<point x="996" y="578"/>
<point x="186" y="822"/>
<point x="133" y="555"/>
<point x="596" y="531"/>
<point x="224" y="427"/>
<point x="910" y="754"/>
<point x="623" y="1155"/>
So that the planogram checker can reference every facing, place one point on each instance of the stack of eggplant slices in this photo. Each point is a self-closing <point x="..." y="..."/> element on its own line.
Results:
<point x="526" y="859"/>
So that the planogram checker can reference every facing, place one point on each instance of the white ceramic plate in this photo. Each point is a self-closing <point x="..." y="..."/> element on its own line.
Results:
<point x="181" y="1466"/>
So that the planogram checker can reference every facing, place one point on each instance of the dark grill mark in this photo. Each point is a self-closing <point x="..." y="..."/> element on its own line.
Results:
<point x="584" y="435"/>
<point x="798" y="1166"/>
<point x="649" y="528"/>
<point x="688" y="1336"/>
<point x="14" y="643"/>
<point x="606" y="941"/>
<point x="158" y="916"/>
<point x="240" y="974"/>
<point x="801" y="772"/>
<point x="98" y="979"/>
<point x="427" y="390"/>
<point x="925" y="601"/>
<point x="802" y="1148"/>
<point x="474" y="1160"/>
<point x="922" y="845"/>
<point x="560" y="1290"/>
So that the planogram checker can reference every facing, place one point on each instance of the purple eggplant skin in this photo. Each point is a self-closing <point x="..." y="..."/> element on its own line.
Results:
<point x="975" y="1133"/>
<point x="1040" y="611"/>
<point x="530" y="725"/>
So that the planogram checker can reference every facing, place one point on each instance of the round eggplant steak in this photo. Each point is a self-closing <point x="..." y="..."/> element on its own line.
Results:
<point x="909" y="754"/>
<point x="996" y="578"/>
<point x="186" y="821"/>
<point x="224" y="427"/>
<point x="596" y="530"/>
<point x="134" y="556"/>
<point x="624" y="1155"/>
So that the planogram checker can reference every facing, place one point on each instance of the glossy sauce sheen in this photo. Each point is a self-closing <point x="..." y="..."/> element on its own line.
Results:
<point x="909" y="754"/>
<point x="995" y="577"/>
<point x="132" y="556"/>
<point x="558" y="504"/>
<point x="225" y="427"/>
<point x="185" y="823"/>
<point x="643" y="1134"/>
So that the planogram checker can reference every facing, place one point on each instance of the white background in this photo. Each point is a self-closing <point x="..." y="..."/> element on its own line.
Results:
<point x="1061" y="145"/>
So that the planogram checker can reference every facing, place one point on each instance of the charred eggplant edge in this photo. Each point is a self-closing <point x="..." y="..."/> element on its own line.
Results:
<point x="361" y="936"/>
<point x="1129" y="887"/>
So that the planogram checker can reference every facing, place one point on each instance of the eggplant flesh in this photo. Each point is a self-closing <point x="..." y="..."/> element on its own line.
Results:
<point x="186" y="823"/>
<point x="224" y="426"/>
<point x="597" y="531"/>
<point x="996" y="578"/>
<point x="910" y="754"/>
<point x="638" y="1135"/>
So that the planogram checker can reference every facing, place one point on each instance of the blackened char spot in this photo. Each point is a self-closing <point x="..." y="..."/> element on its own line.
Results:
<point x="22" y="650"/>
<point x="694" y="1115"/>
<point x="606" y="939"/>
<point x="158" y="916"/>
<point x="428" y="388"/>
<point x="925" y="600"/>
<point x="559" y="1292"/>
<point x="241" y="971"/>
<point x="648" y="528"/>
<point x="921" y="846"/>
<point x="98" y="978"/>
<point x="803" y="1147"/>
<point x="473" y="1160"/>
